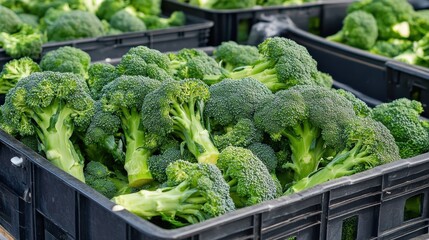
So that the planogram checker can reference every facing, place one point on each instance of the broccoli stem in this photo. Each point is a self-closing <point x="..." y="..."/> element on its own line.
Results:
<point x="179" y="201"/>
<point x="345" y="163"/>
<point x="307" y="149"/>
<point x="136" y="155"/>
<point x="188" y="126"/>
<point x="54" y="133"/>
<point x="5" y="86"/>
<point x="337" y="37"/>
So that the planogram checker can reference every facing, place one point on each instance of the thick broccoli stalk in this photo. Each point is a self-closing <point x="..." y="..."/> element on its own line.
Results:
<point x="67" y="59"/>
<point x="124" y="98"/>
<point x="310" y="118"/>
<point x="15" y="70"/>
<point x="233" y="55"/>
<point x="9" y="21"/>
<point x="52" y="106"/>
<point x="359" y="30"/>
<point x="283" y="64"/>
<point x="248" y="178"/>
<point x="368" y="144"/>
<point x="177" y="108"/>
<point x="402" y="118"/>
<point x="27" y="42"/>
<point x="195" y="192"/>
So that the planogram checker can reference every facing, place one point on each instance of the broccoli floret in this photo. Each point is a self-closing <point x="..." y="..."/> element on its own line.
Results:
<point x="52" y="14"/>
<point x="266" y="154"/>
<point x="27" y="42"/>
<point x="109" y="7"/>
<point x="15" y="70"/>
<point x="154" y="22"/>
<point x="75" y="25"/>
<point x="9" y="21"/>
<point x="283" y="64"/>
<point x="361" y="108"/>
<point x="233" y="55"/>
<point x="248" y="178"/>
<point x="223" y="4"/>
<point x="66" y="59"/>
<point x="402" y="118"/>
<point x="124" y="97"/>
<point x="392" y="47"/>
<point x="53" y="106"/>
<point x="392" y="16"/>
<point x="419" y="54"/>
<point x="241" y="134"/>
<point x="419" y="24"/>
<point x="195" y="192"/>
<point x="368" y="144"/>
<point x="148" y="7"/>
<point x="124" y="21"/>
<point x="199" y="68"/>
<point x="99" y="177"/>
<point x="176" y="108"/>
<point x="99" y="75"/>
<point x="29" y="19"/>
<point x="359" y="30"/>
<point x="310" y="118"/>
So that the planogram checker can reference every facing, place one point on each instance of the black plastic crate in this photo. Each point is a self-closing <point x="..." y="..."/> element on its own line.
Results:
<point x="228" y="24"/>
<point x="195" y="33"/>
<point x="380" y="78"/>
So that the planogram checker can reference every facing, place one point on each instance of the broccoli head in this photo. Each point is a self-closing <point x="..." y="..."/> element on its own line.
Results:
<point x="195" y="192"/>
<point x="109" y="7"/>
<point x="241" y="134"/>
<point x="9" y="21"/>
<point x="148" y="7"/>
<point x="266" y="154"/>
<point x="99" y="75"/>
<point x="15" y="70"/>
<point x="53" y="106"/>
<point x="124" y="21"/>
<point x="233" y="55"/>
<point x="27" y="42"/>
<point x="66" y="59"/>
<point x="402" y="118"/>
<point x="392" y="47"/>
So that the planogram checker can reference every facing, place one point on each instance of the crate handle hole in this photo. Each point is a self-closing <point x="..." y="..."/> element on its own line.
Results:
<point x="350" y="228"/>
<point x="413" y="207"/>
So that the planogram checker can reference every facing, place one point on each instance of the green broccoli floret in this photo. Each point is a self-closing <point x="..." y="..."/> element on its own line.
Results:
<point x="195" y="192"/>
<point x="124" y="21"/>
<point x="419" y="24"/>
<point x="143" y="61"/>
<point x="99" y="75"/>
<point x="176" y="108"/>
<point x="109" y="7"/>
<point x="53" y="106"/>
<point x="368" y="144"/>
<point x="124" y="97"/>
<point x="75" y="25"/>
<point x="312" y="119"/>
<point x="359" y="30"/>
<point x="392" y="16"/>
<point x="223" y="4"/>
<point x="148" y="7"/>
<point x="241" y="134"/>
<point x="248" y="178"/>
<point x="233" y="55"/>
<point x="419" y="54"/>
<point x="15" y="70"/>
<point x="392" y="47"/>
<point x="266" y="154"/>
<point x="27" y="42"/>
<point x="39" y="8"/>
<point x="99" y="177"/>
<point x="179" y="59"/>
<point x="52" y="14"/>
<point x="66" y="59"/>
<point x="361" y="108"/>
<point x="9" y="21"/>
<point x="402" y="118"/>
<point x="29" y="19"/>
<point x="154" y="22"/>
<point x="283" y="64"/>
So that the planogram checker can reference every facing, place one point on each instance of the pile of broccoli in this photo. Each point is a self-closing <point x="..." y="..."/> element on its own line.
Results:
<point x="26" y="25"/>
<point x="158" y="139"/>
<point x="235" y="4"/>
<point x="389" y="28"/>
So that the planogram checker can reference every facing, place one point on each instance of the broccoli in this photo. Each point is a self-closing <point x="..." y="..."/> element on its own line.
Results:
<point x="9" y="21"/>
<point x="361" y="108"/>
<point x="402" y="118"/>
<point x="99" y="75"/>
<point x="53" y="106"/>
<point x="148" y="7"/>
<point x="223" y="4"/>
<point x="15" y="70"/>
<point x="123" y="98"/>
<point x="248" y="178"/>
<point x="241" y="134"/>
<point x="66" y="59"/>
<point x="29" y="19"/>
<point x="418" y="54"/>
<point x="368" y="144"/>
<point x="109" y="7"/>
<point x="266" y="154"/>
<point x="392" y="47"/>
<point x="359" y="30"/>
<point x="52" y="14"/>
<point x="419" y="24"/>
<point x="124" y="21"/>
<point x="154" y="22"/>
<point x="232" y="55"/>
<point x="195" y="192"/>
<point x="310" y="118"/>
<point x="176" y="108"/>
<point x="143" y="61"/>
<point x="27" y="42"/>
<point x="75" y="25"/>
<point x="106" y="182"/>
<point x="392" y="16"/>
<point x="283" y="64"/>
